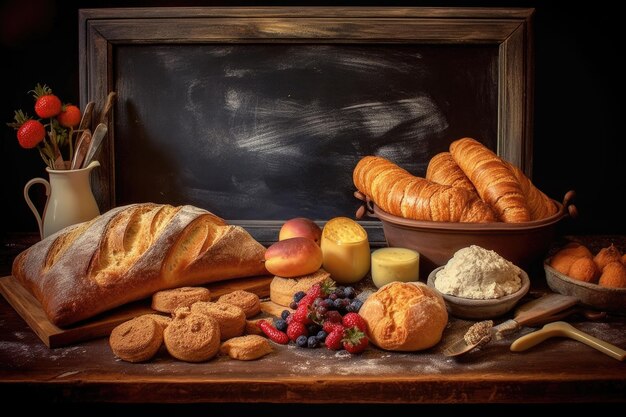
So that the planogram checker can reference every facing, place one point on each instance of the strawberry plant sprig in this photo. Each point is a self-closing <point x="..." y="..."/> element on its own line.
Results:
<point x="54" y="139"/>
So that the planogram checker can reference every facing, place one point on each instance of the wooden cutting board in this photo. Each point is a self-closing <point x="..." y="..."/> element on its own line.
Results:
<point x="31" y="311"/>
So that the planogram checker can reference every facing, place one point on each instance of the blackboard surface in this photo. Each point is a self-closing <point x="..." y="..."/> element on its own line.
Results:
<point x="273" y="131"/>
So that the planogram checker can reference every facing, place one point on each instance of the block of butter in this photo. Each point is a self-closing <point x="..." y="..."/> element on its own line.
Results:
<point x="394" y="264"/>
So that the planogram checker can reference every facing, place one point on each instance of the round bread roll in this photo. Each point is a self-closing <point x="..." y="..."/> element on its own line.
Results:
<point x="405" y="316"/>
<point x="245" y="300"/>
<point x="167" y="301"/>
<point x="283" y="289"/>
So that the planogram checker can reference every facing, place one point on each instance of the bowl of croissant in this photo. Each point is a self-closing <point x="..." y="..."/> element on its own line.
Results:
<point x="469" y="196"/>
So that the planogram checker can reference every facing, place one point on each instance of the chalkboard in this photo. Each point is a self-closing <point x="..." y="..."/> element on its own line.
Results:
<point x="262" y="114"/>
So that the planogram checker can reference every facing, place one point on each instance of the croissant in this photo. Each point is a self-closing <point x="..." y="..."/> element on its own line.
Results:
<point x="540" y="205"/>
<point x="398" y="192"/>
<point x="493" y="179"/>
<point x="442" y="169"/>
<point x="129" y="253"/>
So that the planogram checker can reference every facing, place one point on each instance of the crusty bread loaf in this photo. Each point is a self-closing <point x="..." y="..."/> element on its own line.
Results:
<point x="398" y="192"/>
<point x="493" y="179"/>
<point x="442" y="169"/>
<point x="129" y="253"/>
<point x="405" y="316"/>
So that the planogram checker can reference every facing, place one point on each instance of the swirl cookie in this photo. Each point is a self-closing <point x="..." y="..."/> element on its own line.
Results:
<point x="192" y="337"/>
<point x="246" y="348"/>
<point x="247" y="301"/>
<point x="167" y="301"/>
<point x="231" y="319"/>
<point x="136" y="340"/>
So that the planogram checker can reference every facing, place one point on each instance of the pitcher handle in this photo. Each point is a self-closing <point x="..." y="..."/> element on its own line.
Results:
<point x="30" y="183"/>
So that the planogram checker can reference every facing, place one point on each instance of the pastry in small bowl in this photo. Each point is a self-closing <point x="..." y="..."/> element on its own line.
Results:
<point x="596" y="277"/>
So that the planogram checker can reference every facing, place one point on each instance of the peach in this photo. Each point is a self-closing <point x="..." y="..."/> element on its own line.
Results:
<point x="300" y="227"/>
<point x="293" y="257"/>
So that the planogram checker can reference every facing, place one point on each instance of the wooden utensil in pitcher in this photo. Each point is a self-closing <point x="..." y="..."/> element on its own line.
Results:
<point x="82" y="146"/>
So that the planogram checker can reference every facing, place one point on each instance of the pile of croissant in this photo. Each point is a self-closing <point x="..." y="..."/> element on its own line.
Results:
<point x="469" y="184"/>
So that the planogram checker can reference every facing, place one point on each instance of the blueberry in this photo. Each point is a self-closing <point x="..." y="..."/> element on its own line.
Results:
<point x="313" y="328"/>
<point x="280" y="324"/>
<point x="293" y="305"/>
<point x="285" y="314"/>
<point x="338" y="303"/>
<point x="340" y="292"/>
<point x="350" y="292"/>
<point x="328" y="303"/>
<point x="321" y="335"/>
<point x="301" y="341"/>
<point x="312" y="341"/>
<point x="332" y="297"/>
<point x="356" y="304"/>
<point x="298" y="296"/>
<point x="321" y="310"/>
<point x="350" y="308"/>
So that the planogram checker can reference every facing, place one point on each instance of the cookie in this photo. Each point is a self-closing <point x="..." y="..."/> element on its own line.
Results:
<point x="136" y="340"/>
<point x="231" y="319"/>
<point x="247" y="301"/>
<point x="192" y="337"/>
<point x="161" y="320"/>
<point x="167" y="301"/>
<point x="246" y="348"/>
<point x="283" y="289"/>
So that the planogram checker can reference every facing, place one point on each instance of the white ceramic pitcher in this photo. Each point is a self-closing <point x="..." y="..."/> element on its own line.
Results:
<point x="69" y="199"/>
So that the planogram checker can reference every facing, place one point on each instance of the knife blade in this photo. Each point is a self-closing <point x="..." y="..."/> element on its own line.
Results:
<point x="96" y="141"/>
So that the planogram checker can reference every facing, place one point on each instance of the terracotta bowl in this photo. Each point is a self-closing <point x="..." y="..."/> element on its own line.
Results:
<point x="592" y="295"/>
<point x="469" y="308"/>
<point x="521" y="243"/>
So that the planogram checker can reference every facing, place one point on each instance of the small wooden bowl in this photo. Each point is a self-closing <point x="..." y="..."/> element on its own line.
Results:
<point x="469" y="308"/>
<point x="591" y="295"/>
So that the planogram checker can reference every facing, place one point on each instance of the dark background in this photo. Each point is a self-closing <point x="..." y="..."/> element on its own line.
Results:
<point x="578" y="136"/>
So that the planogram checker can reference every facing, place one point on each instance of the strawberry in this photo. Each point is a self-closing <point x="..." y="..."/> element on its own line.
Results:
<point x="29" y="132"/>
<point x="296" y="329"/>
<point x="301" y="315"/>
<point x="317" y="290"/>
<point x="273" y="333"/>
<point x="354" y="320"/>
<point x="69" y="116"/>
<point x="46" y="103"/>
<point x="354" y="340"/>
<point x="334" y="339"/>
<point x="330" y="327"/>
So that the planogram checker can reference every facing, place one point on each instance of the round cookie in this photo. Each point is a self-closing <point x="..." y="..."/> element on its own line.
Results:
<point x="136" y="340"/>
<point x="192" y="337"/>
<point x="161" y="320"/>
<point x="283" y="289"/>
<point x="246" y="348"/>
<point x="247" y="301"/>
<point x="231" y="319"/>
<point x="167" y="301"/>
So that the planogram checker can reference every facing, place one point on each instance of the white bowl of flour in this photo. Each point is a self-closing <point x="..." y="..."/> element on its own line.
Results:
<point x="478" y="283"/>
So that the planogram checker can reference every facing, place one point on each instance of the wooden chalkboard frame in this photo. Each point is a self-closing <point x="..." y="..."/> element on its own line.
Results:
<point x="510" y="29"/>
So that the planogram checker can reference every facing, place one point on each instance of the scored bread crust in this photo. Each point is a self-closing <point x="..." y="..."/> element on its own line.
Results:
<point x="129" y="253"/>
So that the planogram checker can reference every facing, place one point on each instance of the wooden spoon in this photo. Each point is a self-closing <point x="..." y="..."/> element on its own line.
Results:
<point x="81" y="149"/>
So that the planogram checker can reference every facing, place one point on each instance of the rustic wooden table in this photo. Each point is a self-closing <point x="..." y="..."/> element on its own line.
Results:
<point x="556" y="371"/>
